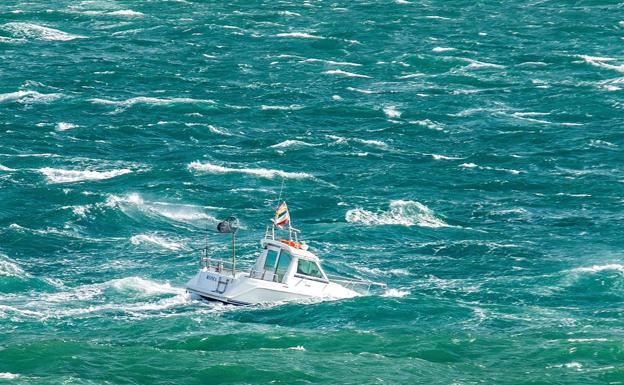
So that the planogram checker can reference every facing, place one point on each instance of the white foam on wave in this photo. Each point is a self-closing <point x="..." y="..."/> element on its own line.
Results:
<point x="444" y="157"/>
<point x="218" y="130"/>
<point x="298" y="35"/>
<point x="291" y="107"/>
<point x="126" y="13"/>
<point x="391" y="112"/>
<point x="292" y="143"/>
<point x="360" y="90"/>
<point x="331" y="62"/>
<point x="442" y="49"/>
<point x="261" y="172"/>
<point x="9" y="376"/>
<point x="395" y="293"/>
<point x="430" y="124"/>
<point x="9" y="268"/>
<point x="38" y="32"/>
<point x="347" y="74"/>
<point x="150" y="101"/>
<point x="602" y="62"/>
<point x="404" y="213"/>
<point x="142" y="285"/>
<point x="58" y="175"/>
<point x="176" y="212"/>
<point x="288" y="13"/>
<point x="156" y="240"/>
<point x="63" y="126"/>
<point x="369" y="142"/>
<point x="598" y="268"/>
<point x="476" y="166"/>
<point x="6" y="169"/>
<point x="29" y="97"/>
<point x="475" y="64"/>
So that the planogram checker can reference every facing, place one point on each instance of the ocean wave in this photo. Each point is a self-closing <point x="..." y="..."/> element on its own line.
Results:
<point x="10" y="268"/>
<point x="126" y="13"/>
<point x="38" y="32"/>
<point x="476" y="166"/>
<point x="6" y="169"/>
<point x="475" y="64"/>
<point x="292" y="107"/>
<point x="345" y="73"/>
<point x="57" y="175"/>
<point x="598" y="268"/>
<point x="175" y="212"/>
<point x="391" y="112"/>
<point x="292" y="143"/>
<point x="29" y="97"/>
<point x="150" y="101"/>
<point x="9" y="376"/>
<point x="443" y="49"/>
<point x="298" y="35"/>
<point x="369" y="142"/>
<point x="395" y="293"/>
<point x="331" y="62"/>
<point x="444" y="157"/>
<point x="404" y="213"/>
<point x="430" y="124"/>
<point x="261" y="172"/>
<point x="156" y="240"/>
<point x="63" y="126"/>
<point x="142" y="285"/>
<point x="602" y="62"/>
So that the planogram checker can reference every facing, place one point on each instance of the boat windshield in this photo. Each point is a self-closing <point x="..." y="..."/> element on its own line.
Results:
<point x="309" y="268"/>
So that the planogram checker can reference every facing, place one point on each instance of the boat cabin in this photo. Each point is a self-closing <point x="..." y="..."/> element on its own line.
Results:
<point x="285" y="261"/>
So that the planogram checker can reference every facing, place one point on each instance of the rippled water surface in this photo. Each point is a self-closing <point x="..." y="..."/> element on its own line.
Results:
<point x="468" y="154"/>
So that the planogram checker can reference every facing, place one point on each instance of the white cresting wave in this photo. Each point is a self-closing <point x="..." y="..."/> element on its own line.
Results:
<point x="175" y="212"/>
<point x="368" y="142"/>
<point x="38" y="32"/>
<point x="346" y="74"/>
<point x="598" y="268"/>
<point x="64" y="126"/>
<point x="58" y="175"/>
<point x="292" y="143"/>
<point x="150" y="101"/>
<point x="130" y="295"/>
<point x="404" y="213"/>
<point x="126" y="13"/>
<point x="155" y="240"/>
<point x="395" y="293"/>
<point x="9" y="268"/>
<point x="260" y="172"/>
<point x="298" y="35"/>
<point x="29" y="97"/>
<point x="602" y="62"/>
<point x="391" y="112"/>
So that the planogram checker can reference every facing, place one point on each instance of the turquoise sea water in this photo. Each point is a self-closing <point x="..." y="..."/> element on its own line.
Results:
<point x="466" y="153"/>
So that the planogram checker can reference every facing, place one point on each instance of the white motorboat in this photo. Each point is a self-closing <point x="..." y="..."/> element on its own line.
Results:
<point x="285" y="270"/>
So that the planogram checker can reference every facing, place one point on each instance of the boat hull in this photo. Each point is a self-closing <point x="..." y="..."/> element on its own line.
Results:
<point x="244" y="290"/>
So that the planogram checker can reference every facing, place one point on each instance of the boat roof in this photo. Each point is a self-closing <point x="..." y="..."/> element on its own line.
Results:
<point x="294" y="251"/>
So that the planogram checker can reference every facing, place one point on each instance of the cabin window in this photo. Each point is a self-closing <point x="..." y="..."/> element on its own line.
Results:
<point x="269" y="262"/>
<point x="309" y="268"/>
<point x="282" y="265"/>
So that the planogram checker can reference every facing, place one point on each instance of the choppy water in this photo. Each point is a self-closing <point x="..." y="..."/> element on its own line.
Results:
<point x="469" y="154"/>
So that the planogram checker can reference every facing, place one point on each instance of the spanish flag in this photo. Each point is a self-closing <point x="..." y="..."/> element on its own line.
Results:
<point x="282" y="216"/>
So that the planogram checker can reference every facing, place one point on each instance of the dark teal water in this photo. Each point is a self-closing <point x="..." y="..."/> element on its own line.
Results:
<point x="468" y="154"/>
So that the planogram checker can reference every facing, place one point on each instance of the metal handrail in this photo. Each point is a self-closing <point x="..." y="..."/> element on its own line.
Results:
<point x="219" y="265"/>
